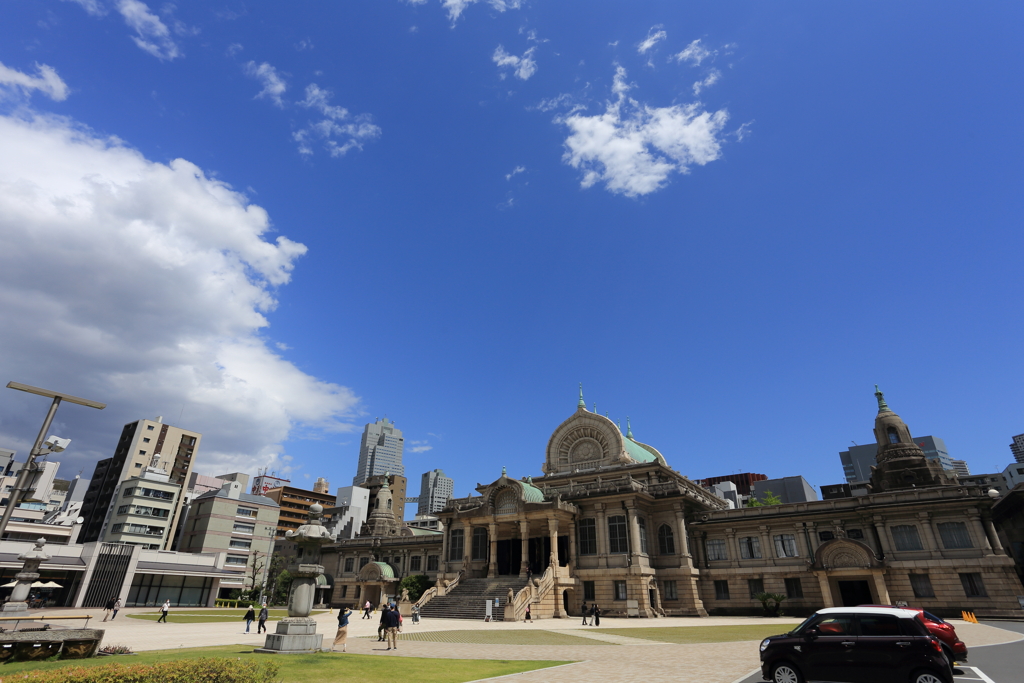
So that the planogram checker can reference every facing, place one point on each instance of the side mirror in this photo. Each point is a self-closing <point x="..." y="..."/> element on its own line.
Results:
<point x="812" y="633"/>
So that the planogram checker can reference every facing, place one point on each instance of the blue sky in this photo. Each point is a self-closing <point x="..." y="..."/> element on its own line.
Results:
<point x="274" y="222"/>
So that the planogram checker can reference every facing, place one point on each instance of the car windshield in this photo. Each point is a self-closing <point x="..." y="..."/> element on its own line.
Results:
<point x="931" y="617"/>
<point x="801" y="627"/>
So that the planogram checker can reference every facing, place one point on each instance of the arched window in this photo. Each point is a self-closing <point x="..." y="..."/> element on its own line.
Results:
<point x="666" y="540"/>
<point x="389" y="503"/>
<point x="456" y="540"/>
<point x="376" y="503"/>
<point x="506" y="502"/>
<point x="893" y="436"/>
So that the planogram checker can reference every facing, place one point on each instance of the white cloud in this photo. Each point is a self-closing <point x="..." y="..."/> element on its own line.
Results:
<point x="531" y="35"/>
<point x="694" y="53"/>
<point x="151" y="34"/>
<point x="339" y="131"/>
<point x="711" y="79"/>
<point x="47" y="82"/>
<point x="743" y="131"/>
<point x="654" y="36"/>
<point x="523" y="67"/>
<point x="273" y="83"/>
<point x="144" y="285"/>
<point x="304" y="44"/>
<point x="420" y="446"/>
<point x="455" y="8"/>
<point x="515" y="171"/>
<point x="416" y="2"/>
<point x="633" y="148"/>
<point x="93" y="7"/>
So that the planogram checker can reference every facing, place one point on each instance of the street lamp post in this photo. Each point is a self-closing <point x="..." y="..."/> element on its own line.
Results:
<point x="26" y="472"/>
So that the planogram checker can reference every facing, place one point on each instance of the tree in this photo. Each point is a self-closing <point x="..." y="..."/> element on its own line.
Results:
<point x="255" y="573"/>
<point x="416" y="584"/>
<point x="767" y="498"/>
<point x="771" y="602"/>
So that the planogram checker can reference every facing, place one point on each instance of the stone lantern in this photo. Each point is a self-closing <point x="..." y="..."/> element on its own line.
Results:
<point x="296" y="633"/>
<point x="28" y="574"/>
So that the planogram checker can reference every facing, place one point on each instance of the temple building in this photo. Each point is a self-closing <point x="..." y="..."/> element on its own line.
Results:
<point x="609" y="521"/>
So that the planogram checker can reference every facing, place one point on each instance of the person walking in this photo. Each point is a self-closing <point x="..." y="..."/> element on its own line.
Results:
<point x="342" y="635"/>
<point x="117" y="607"/>
<point x="261" y="625"/>
<point x="380" y="627"/>
<point x="597" y="615"/>
<point x="584" y="610"/>
<point x="366" y="610"/>
<point x="163" y="616"/>
<point x="527" y="617"/>
<point x="415" y="614"/>
<point x="107" y="608"/>
<point x="250" y="616"/>
<point x="391" y="623"/>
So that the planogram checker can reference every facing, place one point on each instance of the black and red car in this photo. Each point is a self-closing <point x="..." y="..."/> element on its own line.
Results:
<point x="857" y="645"/>
<point x="955" y="648"/>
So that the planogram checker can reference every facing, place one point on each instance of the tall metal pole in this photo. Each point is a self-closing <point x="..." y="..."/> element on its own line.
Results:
<point x="29" y="468"/>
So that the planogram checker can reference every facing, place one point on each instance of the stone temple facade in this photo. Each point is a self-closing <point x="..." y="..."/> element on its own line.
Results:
<point x="609" y="521"/>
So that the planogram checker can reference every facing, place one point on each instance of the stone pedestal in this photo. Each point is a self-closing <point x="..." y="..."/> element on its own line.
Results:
<point x="295" y="635"/>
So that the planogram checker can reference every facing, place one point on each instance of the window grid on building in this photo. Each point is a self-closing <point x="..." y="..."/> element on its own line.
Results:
<point x="666" y="540"/>
<point x="954" y="535"/>
<point x="588" y="537"/>
<point x="973" y="585"/>
<point x="922" y="586"/>
<point x="620" y="590"/>
<point x="456" y="544"/>
<point x="479" y="550"/>
<point x="716" y="549"/>
<point x="642" y="523"/>
<point x="671" y="592"/>
<point x="785" y="546"/>
<point x="722" y="590"/>
<point x="755" y="586"/>
<point x="750" y="548"/>
<point x="794" y="589"/>
<point x="617" y="535"/>
<point x="905" y="537"/>
<point x="588" y="590"/>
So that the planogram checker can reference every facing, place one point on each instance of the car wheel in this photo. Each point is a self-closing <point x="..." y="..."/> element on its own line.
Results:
<point x="925" y="677"/>
<point x="784" y="672"/>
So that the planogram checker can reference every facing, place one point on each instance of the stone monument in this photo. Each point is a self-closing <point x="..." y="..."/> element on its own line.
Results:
<point x="29" y="573"/>
<point x="296" y="634"/>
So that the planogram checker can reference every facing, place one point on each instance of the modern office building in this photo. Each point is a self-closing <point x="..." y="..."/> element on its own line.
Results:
<point x="236" y="523"/>
<point x="961" y="468"/>
<point x="995" y="480"/>
<point x="380" y="451"/>
<point x="294" y="506"/>
<point x="140" y="441"/>
<point x="788" y="489"/>
<point x="1014" y="474"/>
<point x="743" y="481"/>
<point x="858" y="460"/>
<point x="1017" y="448"/>
<point x="144" y="507"/>
<point x="321" y="485"/>
<point x="349" y="512"/>
<point x="435" y="490"/>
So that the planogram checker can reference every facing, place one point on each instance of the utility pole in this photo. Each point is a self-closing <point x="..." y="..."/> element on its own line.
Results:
<point x="27" y="472"/>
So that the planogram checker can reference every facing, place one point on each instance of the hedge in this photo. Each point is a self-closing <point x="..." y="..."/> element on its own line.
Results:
<point x="206" y="670"/>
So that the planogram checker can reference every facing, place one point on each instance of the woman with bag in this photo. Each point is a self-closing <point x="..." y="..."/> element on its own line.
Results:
<point x="250" y="616"/>
<point x="342" y="635"/>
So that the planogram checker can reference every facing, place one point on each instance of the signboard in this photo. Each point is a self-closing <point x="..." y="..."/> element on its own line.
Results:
<point x="264" y="482"/>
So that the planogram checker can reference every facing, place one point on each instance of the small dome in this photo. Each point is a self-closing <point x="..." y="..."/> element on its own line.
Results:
<point x="316" y="508"/>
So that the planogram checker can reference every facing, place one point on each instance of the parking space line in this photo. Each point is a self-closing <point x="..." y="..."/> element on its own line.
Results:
<point x="981" y="674"/>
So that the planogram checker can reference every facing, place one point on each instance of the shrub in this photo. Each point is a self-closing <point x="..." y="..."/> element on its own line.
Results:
<point x="206" y="670"/>
<point x="416" y="583"/>
<point x="116" y="650"/>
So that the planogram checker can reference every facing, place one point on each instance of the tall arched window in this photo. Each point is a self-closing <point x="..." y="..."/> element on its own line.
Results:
<point x="893" y="436"/>
<point x="389" y="503"/>
<point x="479" y="549"/>
<point x="456" y="540"/>
<point x="666" y="540"/>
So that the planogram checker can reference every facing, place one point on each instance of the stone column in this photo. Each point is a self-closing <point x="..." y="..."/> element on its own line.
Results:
<point x="993" y="536"/>
<point x="553" y="532"/>
<point x="492" y="534"/>
<point x="826" y="591"/>
<point x="467" y="547"/>
<point x="883" y="539"/>
<point x="572" y="545"/>
<point x="683" y="547"/>
<point x="767" y="556"/>
<point x="801" y="541"/>
<point x="931" y="542"/>
<point x="979" y="531"/>
<point x="524" y="535"/>
<point x="734" y="547"/>
<point x="602" y="536"/>
<point x="444" y="549"/>
<point x="881" y="589"/>
<point x="634" y="536"/>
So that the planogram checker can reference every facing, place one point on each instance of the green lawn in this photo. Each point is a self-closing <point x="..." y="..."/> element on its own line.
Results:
<point x="208" y="616"/>
<point x="322" y="667"/>
<point x="701" y="634"/>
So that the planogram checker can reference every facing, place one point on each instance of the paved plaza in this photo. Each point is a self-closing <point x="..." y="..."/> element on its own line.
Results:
<point x="597" y="655"/>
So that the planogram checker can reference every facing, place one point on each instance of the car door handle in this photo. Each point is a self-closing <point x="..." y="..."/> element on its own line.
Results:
<point x="903" y="643"/>
<point x="849" y="643"/>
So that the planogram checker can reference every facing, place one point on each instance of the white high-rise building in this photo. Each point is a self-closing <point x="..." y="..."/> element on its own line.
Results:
<point x="380" y="451"/>
<point x="435" y="490"/>
<point x="1017" y="448"/>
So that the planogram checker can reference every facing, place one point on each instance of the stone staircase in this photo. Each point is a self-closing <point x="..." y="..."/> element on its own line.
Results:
<point x="467" y="600"/>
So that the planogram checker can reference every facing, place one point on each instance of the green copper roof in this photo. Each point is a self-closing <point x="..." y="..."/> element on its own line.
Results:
<point x="385" y="570"/>
<point x="882" y="405"/>
<point x="531" y="493"/>
<point x="638" y="452"/>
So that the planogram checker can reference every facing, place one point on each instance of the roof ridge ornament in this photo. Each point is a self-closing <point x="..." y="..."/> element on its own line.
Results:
<point x="503" y="472"/>
<point x="582" y="404"/>
<point x="882" y="405"/>
<point x="629" y="430"/>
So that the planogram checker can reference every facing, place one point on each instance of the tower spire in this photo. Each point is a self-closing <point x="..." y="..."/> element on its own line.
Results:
<point x="582" y="404"/>
<point x="629" y="430"/>
<point x="882" y="405"/>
